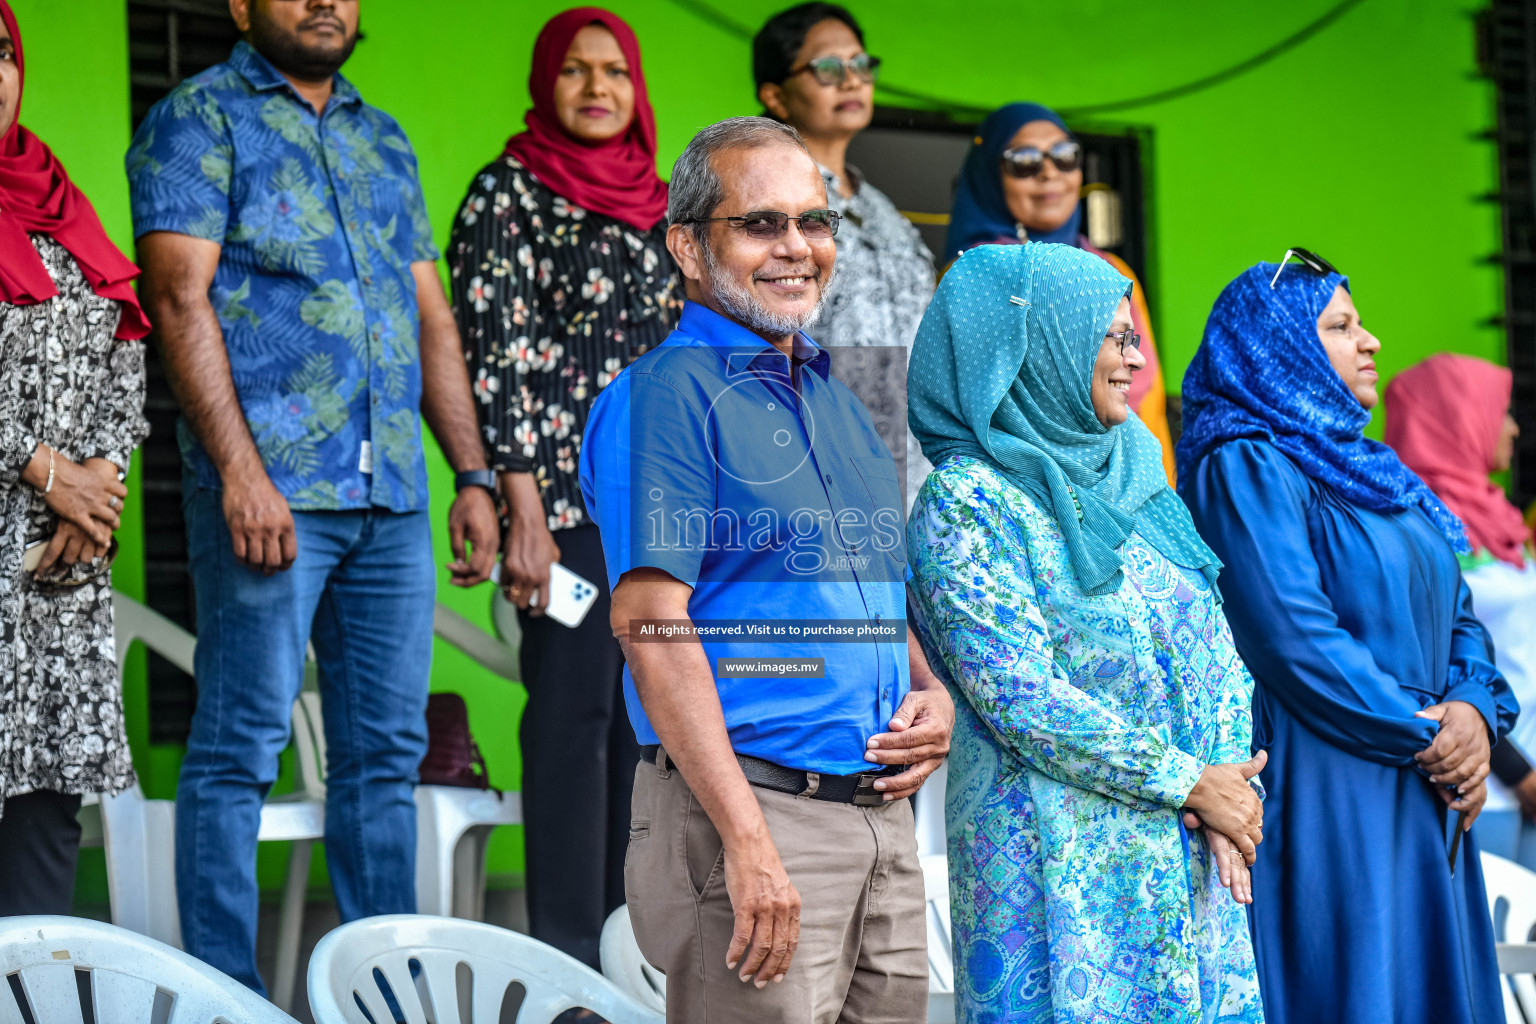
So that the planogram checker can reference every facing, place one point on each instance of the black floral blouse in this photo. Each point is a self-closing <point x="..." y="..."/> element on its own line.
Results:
<point x="552" y="301"/>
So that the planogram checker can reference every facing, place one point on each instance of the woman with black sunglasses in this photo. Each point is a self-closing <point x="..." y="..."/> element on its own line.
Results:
<point x="813" y="73"/>
<point x="1375" y="689"/>
<point x="1021" y="182"/>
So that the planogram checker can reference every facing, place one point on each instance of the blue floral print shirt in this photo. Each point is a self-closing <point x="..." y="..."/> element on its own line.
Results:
<point x="320" y="218"/>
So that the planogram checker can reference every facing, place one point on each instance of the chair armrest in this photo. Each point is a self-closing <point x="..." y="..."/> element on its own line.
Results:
<point x="482" y="648"/>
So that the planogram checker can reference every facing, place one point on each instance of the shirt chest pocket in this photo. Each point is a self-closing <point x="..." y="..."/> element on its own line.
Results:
<point x="875" y="528"/>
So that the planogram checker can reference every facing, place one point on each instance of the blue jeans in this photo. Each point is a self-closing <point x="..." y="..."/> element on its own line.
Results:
<point x="362" y="589"/>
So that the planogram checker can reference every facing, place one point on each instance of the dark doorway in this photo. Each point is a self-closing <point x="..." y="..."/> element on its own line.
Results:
<point x="168" y="40"/>
<point x="1507" y="54"/>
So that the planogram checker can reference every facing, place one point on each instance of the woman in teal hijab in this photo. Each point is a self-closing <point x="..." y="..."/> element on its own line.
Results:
<point x="1098" y="798"/>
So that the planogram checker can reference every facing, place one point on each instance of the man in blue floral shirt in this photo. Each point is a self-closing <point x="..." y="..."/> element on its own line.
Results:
<point x="289" y="265"/>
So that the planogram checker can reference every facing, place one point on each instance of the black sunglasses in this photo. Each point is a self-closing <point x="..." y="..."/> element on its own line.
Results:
<point x="1028" y="161"/>
<point x="833" y="70"/>
<point x="1309" y="259"/>
<point x="815" y="225"/>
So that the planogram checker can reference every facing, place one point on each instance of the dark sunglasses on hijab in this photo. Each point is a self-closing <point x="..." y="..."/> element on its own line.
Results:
<point x="1028" y="161"/>
<point x="1309" y="259"/>
<point x="833" y="70"/>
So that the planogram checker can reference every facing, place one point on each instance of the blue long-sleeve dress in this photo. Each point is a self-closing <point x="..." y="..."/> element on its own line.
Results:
<point x="1351" y="621"/>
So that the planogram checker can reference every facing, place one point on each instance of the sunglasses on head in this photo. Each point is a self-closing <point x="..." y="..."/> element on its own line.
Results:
<point x="1028" y="161"/>
<point x="1311" y="260"/>
<point x="833" y="70"/>
<point x="815" y="225"/>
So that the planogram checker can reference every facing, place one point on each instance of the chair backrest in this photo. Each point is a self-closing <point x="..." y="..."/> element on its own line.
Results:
<point x="1512" y="896"/>
<point x="451" y="971"/>
<point x="1514" y="887"/>
<point x="624" y="964"/>
<point x="130" y="979"/>
<point x="941" y="954"/>
<point x="132" y="621"/>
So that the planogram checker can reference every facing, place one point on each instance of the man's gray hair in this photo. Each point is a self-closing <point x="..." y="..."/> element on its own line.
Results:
<point x="695" y="189"/>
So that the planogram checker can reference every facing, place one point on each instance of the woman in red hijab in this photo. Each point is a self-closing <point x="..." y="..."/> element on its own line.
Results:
<point x="561" y="277"/>
<point x="1448" y="418"/>
<point x="71" y="414"/>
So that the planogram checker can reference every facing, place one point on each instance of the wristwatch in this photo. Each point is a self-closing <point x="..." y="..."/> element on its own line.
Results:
<point x="475" y="478"/>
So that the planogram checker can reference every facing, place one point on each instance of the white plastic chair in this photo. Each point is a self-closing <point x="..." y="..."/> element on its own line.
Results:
<point x="139" y="834"/>
<point x="941" y="952"/>
<point x="133" y="979"/>
<point x="1514" y="887"/>
<point x="450" y="971"/>
<point x="625" y="966"/>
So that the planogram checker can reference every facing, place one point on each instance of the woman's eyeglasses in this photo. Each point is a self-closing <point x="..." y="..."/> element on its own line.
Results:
<point x="1127" y="339"/>
<point x="815" y="225"/>
<point x="1311" y="260"/>
<point x="833" y="70"/>
<point x="1028" y="161"/>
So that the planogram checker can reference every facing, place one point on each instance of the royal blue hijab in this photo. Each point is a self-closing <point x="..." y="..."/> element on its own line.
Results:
<point x="980" y="214"/>
<point x="1261" y="371"/>
<point x="1002" y="371"/>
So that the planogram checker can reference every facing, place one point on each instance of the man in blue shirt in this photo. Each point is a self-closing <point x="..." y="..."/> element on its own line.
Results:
<point x="289" y="266"/>
<point x="751" y="523"/>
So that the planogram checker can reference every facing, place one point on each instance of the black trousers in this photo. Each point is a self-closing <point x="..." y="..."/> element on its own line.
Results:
<point x="39" y="844"/>
<point x="579" y="757"/>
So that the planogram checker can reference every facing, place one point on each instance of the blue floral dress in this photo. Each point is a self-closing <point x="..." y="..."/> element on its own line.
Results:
<point x="1082" y="723"/>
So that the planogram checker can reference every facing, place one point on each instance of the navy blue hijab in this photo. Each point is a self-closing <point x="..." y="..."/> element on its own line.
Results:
<point x="980" y="214"/>
<point x="1262" y="372"/>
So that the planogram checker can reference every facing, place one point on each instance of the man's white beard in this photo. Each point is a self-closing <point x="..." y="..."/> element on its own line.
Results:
<point x="738" y="303"/>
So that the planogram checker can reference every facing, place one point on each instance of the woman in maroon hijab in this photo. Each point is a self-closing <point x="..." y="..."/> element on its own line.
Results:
<point x="561" y="277"/>
<point x="71" y="414"/>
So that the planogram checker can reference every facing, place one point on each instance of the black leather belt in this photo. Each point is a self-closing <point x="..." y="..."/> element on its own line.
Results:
<point x="858" y="790"/>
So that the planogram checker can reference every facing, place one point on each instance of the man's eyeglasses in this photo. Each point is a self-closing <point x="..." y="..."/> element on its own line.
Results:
<point x="833" y="70"/>
<point x="1311" y="260"/>
<point x="1028" y="161"/>
<point x="815" y="225"/>
<point x="1127" y="339"/>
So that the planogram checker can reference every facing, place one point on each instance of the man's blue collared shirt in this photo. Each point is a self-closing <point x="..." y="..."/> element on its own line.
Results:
<point x="320" y="218"/>
<point x="761" y="482"/>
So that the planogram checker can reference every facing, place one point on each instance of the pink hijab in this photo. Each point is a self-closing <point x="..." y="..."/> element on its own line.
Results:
<point x="1444" y="417"/>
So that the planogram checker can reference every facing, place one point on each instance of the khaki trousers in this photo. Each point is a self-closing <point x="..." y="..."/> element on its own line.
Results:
<point x="863" y="955"/>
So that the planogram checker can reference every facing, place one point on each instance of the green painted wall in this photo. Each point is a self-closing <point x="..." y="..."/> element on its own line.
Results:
<point x="1361" y="144"/>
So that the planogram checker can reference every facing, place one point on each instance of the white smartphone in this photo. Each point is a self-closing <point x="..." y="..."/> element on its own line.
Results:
<point x="570" y="596"/>
<point x="33" y="556"/>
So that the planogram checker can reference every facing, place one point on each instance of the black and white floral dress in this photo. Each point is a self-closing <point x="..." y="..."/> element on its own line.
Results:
<point x="67" y="383"/>
<point x="552" y="301"/>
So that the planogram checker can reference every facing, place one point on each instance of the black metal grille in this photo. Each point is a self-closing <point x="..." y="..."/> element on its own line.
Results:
<point x="1507" y="54"/>
<point x="167" y="41"/>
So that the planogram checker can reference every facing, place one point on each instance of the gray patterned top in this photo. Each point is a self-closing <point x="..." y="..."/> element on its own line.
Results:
<point x="65" y="382"/>
<point x="884" y="280"/>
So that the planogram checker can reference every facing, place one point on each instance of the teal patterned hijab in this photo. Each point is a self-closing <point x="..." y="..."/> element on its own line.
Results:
<point x="1002" y="371"/>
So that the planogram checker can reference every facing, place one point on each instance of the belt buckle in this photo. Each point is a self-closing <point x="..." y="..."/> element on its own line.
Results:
<point x="866" y="795"/>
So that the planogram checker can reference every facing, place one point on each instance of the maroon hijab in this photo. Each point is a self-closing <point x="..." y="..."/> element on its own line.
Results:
<point x="616" y="177"/>
<point x="36" y="196"/>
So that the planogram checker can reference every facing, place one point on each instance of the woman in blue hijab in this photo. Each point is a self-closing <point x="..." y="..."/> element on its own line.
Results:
<point x="1022" y="181"/>
<point x="1061" y="586"/>
<point x="1376" y="694"/>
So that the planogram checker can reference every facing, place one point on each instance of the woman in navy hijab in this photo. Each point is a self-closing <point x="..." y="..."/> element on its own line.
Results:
<point x="1375" y="691"/>
<point x="1021" y="182"/>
